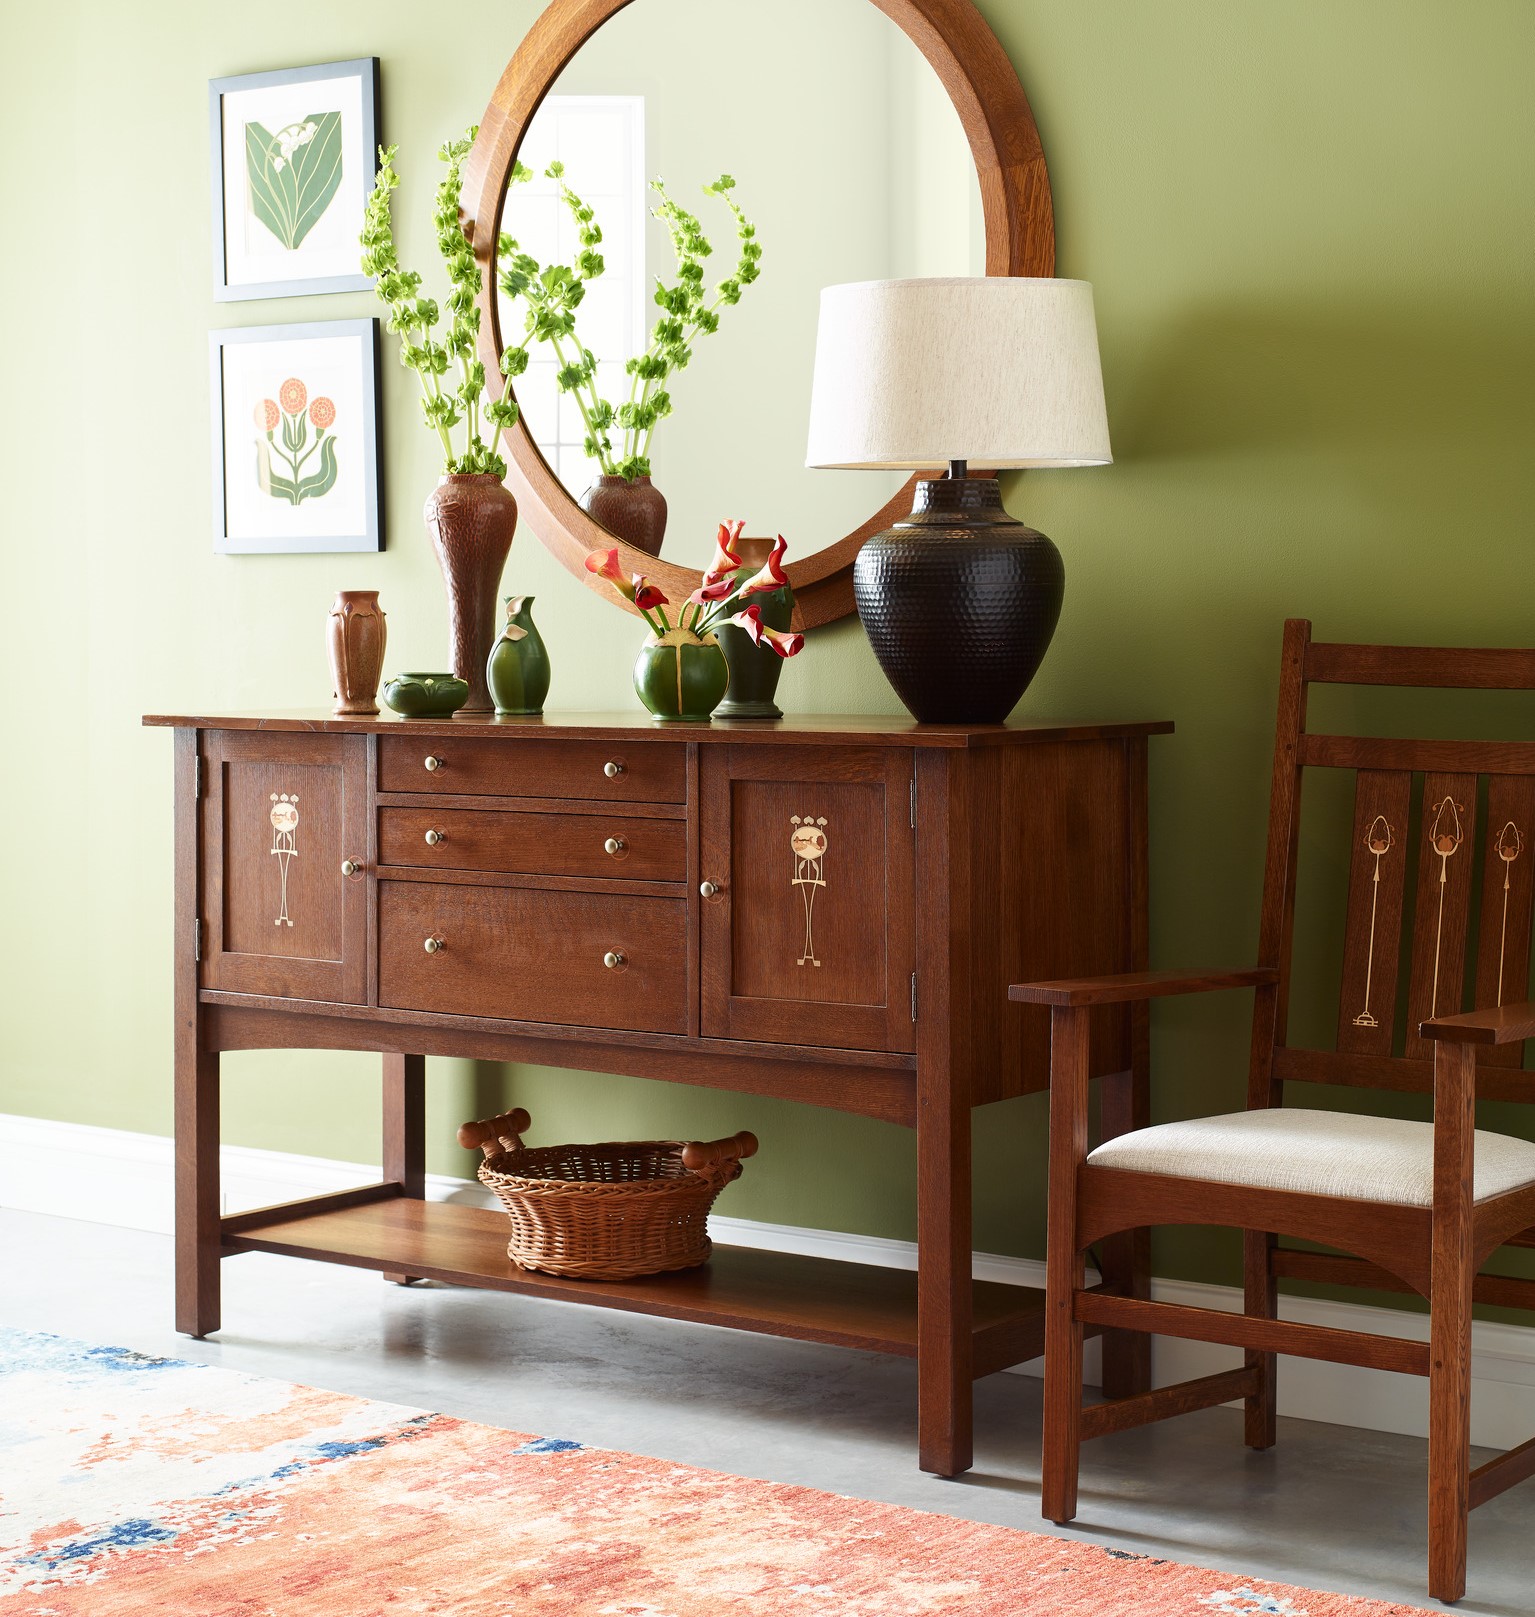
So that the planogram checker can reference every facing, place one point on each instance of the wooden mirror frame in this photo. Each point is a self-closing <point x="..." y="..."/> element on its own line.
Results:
<point x="1020" y="240"/>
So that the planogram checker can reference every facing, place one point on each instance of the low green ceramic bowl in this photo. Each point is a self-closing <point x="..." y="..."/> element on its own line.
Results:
<point x="425" y="696"/>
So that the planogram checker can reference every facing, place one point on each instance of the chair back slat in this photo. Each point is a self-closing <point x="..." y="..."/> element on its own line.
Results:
<point x="1386" y="752"/>
<point x="1508" y="900"/>
<point x="1377" y="884"/>
<point x="1442" y="911"/>
<point x="1445" y="668"/>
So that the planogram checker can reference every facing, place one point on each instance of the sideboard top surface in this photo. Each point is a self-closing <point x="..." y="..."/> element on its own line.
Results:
<point x="828" y="728"/>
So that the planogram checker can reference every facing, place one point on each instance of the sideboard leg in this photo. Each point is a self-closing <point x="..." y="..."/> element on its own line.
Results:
<point x="405" y="1132"/>
<point x="198" y="1238"/>
<point x="944" y="1359"/>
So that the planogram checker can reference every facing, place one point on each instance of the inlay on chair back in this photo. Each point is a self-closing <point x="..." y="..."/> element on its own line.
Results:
<point x="1440" y="829"/>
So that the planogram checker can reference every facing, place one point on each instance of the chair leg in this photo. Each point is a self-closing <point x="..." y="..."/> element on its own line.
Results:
<point x="1065" y="1267"/>
<point x="1261" y="1301"/>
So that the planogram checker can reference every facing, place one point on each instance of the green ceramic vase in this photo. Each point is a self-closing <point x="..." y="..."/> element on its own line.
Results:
<point x="754" y="670"/>
<point x="518" y="669"/>
<point x="679" y="676"/>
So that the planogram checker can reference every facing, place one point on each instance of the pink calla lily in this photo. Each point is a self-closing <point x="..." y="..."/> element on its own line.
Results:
<point x="786" y="645"/>
<point x="645" y="595"/>
<point x="710" y="591"/>
<point x="726" y="560"/>
<point x="604" y="563"/>
<point x="772" y="576"/>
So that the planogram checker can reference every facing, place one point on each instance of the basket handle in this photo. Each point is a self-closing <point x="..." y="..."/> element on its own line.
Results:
<point x="711" y="1159"/>
<point x="503" y="1133"/>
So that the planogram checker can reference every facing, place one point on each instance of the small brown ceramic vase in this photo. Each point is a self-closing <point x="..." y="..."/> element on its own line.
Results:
<point x="357" y="635"/>
<point x="634" y="512"/>
<point x="471" y="518"/>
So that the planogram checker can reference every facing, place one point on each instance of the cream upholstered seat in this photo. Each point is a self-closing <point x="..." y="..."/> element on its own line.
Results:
<point x="1380" y="1159"/>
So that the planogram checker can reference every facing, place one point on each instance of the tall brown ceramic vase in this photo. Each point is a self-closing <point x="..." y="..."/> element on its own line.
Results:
<point x="357" y="634"/>
<point x="632" y="511"/>
<point x="471" y="518"/>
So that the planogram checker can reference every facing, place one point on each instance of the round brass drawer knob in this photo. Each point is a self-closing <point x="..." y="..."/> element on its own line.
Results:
<point x="613" y="960"/>
<point x="612" y="769"/>
<point x="708" y="889"/>
<point x="433" y="763"/>
<point x="615" y="846"/>
<point x="350" y="867"/>
<point x="434" y="946"/>
<point x="433" y="837"/>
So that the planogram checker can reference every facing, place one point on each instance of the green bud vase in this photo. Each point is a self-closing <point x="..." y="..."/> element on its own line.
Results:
<point x="754" y="670"/>
<point x="518" y="669"/>
<point x="680" y="676"/>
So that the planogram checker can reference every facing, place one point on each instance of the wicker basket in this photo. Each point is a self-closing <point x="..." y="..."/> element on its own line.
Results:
<point x="609" y="1211"/>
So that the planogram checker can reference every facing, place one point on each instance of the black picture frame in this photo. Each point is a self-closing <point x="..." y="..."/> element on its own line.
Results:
<point x="356" y="184"/>
<point x="371" y="534"/>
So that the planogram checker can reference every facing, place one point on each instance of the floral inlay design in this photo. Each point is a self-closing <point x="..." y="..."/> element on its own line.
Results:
<point x="295" y="412"/>
<point x="808" y="842"/>
<point x="284" y="817"/>
<point x="294" y="174"/>
<point x="1508" y="847"/>
<point x="1380" y="839"/>
<point x="1444" y="837"/>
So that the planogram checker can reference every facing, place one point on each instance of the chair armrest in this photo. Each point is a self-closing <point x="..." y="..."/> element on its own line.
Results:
<point x="1508" y="1024"/>
<point x="1135" y="985"/>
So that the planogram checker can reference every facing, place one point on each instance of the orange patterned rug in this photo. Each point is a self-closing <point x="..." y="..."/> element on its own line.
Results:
<point x="132" y="1485"/>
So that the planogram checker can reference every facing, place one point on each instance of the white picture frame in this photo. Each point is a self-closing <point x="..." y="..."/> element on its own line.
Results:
<point x="294" y="153"/>
<point x="296" y="463"/>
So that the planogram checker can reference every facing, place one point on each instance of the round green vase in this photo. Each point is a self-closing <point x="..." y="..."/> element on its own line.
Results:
<point x="679" y="676"/>
<point x="755" y="670"/>
<point x="518" y="669"/>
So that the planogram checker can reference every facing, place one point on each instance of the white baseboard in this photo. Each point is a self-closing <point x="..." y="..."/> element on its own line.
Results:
<point x="39" y="1173"/>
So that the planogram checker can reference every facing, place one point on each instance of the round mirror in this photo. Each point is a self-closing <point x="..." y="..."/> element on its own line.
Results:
<point x="855" y="139"/>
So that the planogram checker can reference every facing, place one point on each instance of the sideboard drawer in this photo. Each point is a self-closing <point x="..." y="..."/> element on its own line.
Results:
<point x="534" y="956"/>
<point x="599" y="844"/>
<point x="609" y="771"/>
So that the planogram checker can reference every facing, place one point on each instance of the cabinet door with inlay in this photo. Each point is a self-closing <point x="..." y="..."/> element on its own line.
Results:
<point x="806" y="905"/>
<point x="284" y="898"/>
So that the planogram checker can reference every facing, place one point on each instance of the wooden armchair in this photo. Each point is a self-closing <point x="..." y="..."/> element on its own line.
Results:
<point x="1415" y="1206"/>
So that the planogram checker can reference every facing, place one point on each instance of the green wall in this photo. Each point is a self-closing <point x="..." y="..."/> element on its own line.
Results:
<point x="1309" y="228"/>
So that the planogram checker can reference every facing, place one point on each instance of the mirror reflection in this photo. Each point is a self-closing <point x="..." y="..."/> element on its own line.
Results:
<point x="848" y="163"/>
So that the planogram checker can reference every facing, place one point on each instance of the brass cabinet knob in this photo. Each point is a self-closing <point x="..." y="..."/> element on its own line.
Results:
<point x="615" y="846"/>
<point x="612" y="769"/>
<point x="434" y="946"/>
<point x="433" y="763"/>
<point x="708" y="889"/>
<point x="434" y="836"/>
<point x="613" y="960"/>
<point x="350" y="867"/>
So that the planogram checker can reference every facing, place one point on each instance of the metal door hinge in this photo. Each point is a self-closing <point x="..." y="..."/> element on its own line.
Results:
<point x="914" y="996"/>
<point x="914" y="802"/>
<point x="197" y="775"/>
<point x="197" y="940"/>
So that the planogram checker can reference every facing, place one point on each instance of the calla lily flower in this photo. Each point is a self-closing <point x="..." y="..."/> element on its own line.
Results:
<point x="604" y="563"/>
<point x="786" y="645"/>
<point x="772" y="576"/>
<point x="726" y="560"/>
<point x="645" y="595"/>
<point x="710" y="591"/>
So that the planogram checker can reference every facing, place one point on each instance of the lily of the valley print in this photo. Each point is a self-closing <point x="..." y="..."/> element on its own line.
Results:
<point x="294" y="153"/>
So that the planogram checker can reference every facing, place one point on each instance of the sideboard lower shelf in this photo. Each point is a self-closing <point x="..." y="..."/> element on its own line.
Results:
<point x="815" y="1299"/>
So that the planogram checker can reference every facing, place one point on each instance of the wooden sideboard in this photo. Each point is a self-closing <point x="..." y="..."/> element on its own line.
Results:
<point x="828" y="910"/>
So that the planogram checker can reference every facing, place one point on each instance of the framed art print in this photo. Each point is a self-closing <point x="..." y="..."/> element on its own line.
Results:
<point x="294" y="154"/>
<point x="295" y="438"/>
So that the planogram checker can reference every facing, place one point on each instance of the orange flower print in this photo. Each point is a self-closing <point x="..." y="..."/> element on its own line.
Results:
<point x="294" y="395"/>
<point x="267" y="415"/>
<point x="322" y="412"/>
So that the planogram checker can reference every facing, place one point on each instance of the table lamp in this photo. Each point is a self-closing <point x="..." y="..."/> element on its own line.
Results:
<point x="960" y="600"/>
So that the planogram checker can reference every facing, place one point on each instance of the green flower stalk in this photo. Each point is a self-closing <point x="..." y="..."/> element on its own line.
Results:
<point x="436" y="359"/>
<point x="552" y="295"/>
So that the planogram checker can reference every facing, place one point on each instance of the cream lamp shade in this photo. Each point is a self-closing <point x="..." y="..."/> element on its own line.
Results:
<point x="998" y="371"/>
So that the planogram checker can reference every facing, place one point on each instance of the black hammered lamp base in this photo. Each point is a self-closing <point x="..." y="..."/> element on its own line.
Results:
<point x="959" y="602"/>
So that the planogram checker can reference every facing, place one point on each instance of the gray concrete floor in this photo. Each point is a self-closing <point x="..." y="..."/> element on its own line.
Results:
<point x="1329" y="1508"/>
